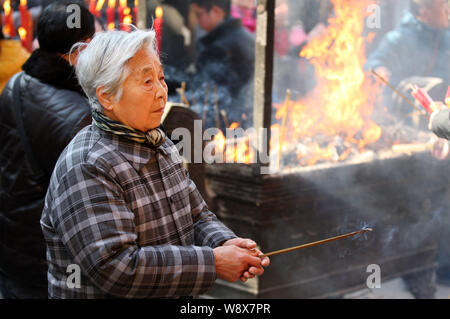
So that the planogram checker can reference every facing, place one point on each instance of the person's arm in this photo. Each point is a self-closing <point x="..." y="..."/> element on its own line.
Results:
<point x="386" y="59"/>
<point x="211" y="232"/>
<point x="98" y="230"/>
<point x="208" y="230"/>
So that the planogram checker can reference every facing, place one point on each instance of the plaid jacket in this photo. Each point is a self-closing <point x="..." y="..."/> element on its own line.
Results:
<point x="130" y="218"/>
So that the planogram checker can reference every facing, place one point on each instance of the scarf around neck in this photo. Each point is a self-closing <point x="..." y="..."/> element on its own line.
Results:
<point x="154" y="137"/>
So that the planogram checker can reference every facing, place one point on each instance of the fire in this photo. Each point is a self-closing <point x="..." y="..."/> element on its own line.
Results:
<point x="235" y="150"/>
<point x="111" y="3"/>
<point x="23" y="2"/>
<point x="342" y="103"/>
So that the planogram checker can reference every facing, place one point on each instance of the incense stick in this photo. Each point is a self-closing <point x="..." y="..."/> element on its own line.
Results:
<point x="283" y="124"/>
<point x="398" y="92"/>
<point x="225" y="118"/>
<point x="216" y="107"/>
<point x="205" y="102"/>
<point x="316" y="243"/>
<point x="182" y="92"/>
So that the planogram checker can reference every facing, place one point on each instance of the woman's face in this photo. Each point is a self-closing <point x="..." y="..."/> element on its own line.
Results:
<point x="144" y="93"/>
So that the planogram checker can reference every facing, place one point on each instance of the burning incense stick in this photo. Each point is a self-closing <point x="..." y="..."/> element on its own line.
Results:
<point x="447" y="97"/>
<point x="182" y="92"/>
<point x="283" y="124"/>
<point x="216" y="107"/>
<point x="225" y="118"/>
<point x="205" y="103"/>
<point x="398" y="92"/>
<point x="316" y="243"/>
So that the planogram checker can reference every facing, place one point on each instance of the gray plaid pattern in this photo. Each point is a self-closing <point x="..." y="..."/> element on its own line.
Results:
<point x="131" y="218"/>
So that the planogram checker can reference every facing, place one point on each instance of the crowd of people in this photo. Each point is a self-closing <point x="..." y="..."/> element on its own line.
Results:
<point x="88" y="176"/>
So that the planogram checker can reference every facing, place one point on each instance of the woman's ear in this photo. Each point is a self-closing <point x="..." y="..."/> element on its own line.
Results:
<point x="106" y="100"/>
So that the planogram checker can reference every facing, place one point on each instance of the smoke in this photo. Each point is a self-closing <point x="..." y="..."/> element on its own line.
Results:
<point x="205" y="95"/>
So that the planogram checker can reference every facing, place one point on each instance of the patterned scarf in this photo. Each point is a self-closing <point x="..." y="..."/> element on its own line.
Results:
<point x="155" y="137"/>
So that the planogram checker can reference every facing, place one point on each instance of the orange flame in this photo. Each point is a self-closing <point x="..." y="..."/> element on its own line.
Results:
<point x="342" y="102"/>
<point x="111" y="3"/>
<point x="235" y="150"/>
<point x="23" y="2"/>
<point x="123" y="3"/>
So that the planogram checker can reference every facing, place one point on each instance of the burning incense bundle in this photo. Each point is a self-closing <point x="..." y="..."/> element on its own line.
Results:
<point x="423" y="98"/>
<point x="316" y="243"/>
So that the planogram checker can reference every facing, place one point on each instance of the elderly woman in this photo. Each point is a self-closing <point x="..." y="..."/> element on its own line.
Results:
<point x="120" y="204"/>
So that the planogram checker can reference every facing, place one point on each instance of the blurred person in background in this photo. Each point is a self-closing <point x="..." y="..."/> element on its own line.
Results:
<point x="245" y="10"/>
<point x="419" y="47"/>
<point x="12" y="57"/>
<point x="226" y="54"/>
<point x="41" y="109"/>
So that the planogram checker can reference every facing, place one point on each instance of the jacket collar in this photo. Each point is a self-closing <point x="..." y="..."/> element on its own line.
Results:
<point x="52" y="69"/>
<point x="221" y="29"/>
<point x="137" y="154"/>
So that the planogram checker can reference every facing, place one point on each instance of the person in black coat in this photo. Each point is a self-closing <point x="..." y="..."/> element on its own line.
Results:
<point x="53" y="108"/>
<point x="226" y="54"/>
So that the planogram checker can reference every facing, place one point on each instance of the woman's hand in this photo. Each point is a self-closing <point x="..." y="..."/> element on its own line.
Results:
<point x="250" y="245"/>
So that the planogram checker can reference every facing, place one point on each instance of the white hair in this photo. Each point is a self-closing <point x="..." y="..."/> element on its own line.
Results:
<point x="102" y="62"/>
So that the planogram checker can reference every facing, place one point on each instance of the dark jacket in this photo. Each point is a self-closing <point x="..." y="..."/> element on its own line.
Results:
<point x="54" y="109"/>
<point x="227" y="55"/>
<point x="413" y="49"/>
<point x="441" y="124"/>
